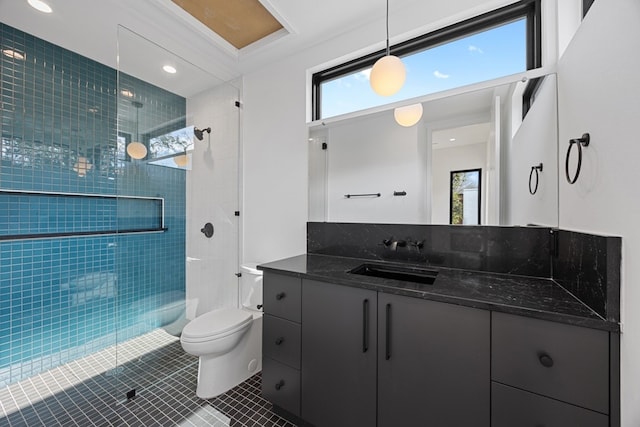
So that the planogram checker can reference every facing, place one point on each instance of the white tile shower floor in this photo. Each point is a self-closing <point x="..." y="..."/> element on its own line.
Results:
<point x="92" y="391"/>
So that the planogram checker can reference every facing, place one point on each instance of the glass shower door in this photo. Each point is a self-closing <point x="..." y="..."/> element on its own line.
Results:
<point x="177" y="187"/>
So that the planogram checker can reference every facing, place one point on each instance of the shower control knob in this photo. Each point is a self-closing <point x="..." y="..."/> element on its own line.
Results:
<point x="280" y="296"/>
<point x="279" y="341"/>
<point x="280" y="384"/>
<point x="207" y="230"/>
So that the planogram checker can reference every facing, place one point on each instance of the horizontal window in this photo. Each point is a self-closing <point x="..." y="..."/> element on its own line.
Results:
<point x="496" y="44"/>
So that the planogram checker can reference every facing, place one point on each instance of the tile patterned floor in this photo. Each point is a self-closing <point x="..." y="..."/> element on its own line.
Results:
<point x="92" y="392"/>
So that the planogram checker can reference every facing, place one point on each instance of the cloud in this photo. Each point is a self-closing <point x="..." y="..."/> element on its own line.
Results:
<point x="476" y="49"/>
<point x="364" y="74"/>
<point x="440" y="75"/>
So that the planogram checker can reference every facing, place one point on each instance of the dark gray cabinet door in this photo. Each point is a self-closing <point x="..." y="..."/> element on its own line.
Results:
<point x="513" y="407"/>
<point x="338" y="355"/>
<point x="433" y="363"/>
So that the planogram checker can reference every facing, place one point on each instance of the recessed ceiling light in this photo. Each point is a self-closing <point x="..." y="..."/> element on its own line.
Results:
<point x="13" y="54"/>
<point x="40" y="5"/>
<point x="452" y="139"/>
<point x="169" y="69"/>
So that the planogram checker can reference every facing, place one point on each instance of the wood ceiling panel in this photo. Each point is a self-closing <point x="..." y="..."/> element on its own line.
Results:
<point x="240" y="22"/>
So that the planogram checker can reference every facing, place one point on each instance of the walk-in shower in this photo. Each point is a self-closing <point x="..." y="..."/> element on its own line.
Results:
<point x="98" y="246"/>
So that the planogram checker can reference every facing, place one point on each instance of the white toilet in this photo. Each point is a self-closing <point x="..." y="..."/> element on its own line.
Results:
<point x="228" y="341"/>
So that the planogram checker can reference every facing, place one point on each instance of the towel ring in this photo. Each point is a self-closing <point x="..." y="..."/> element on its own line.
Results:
<point x="579" y="142"/>
<point x="535" y="169"/>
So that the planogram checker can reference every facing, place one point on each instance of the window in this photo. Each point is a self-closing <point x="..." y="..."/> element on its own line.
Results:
<point x="465" y="197"/>
<point x="496" y="44"/>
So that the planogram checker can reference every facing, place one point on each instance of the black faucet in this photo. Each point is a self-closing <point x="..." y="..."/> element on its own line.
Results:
<point x="393" y="243"/>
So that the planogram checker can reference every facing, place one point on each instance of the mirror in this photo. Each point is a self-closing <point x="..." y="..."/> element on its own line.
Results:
<point x="369" y="169"/>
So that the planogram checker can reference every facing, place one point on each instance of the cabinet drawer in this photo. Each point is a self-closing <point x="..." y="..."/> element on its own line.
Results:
<point x="281" y="295"/>
<point x="565" y="362"/>
<point x="512" y="407"/>
<point x="281" y="340"/>
<point x="281" y="385"/>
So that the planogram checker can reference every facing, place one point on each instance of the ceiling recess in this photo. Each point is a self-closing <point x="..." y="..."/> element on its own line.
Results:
<point x="240" y="22"/>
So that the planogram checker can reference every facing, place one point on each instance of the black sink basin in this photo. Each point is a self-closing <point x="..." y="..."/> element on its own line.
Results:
<point x="407" y="274"/>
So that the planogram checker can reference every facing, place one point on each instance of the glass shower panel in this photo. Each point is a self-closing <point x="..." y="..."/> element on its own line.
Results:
<point x="212" y="233"/>
<point x="177" y="170"/>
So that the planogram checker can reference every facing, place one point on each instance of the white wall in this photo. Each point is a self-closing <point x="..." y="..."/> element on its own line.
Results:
<point x="376" y="155"/>
<point x="445" y="160"/>
<point x="599" y="93"/>
<point x="212" y="196"/>
<point x="535" y="142"/>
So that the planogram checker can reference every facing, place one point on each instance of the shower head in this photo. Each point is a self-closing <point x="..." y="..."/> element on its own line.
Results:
<point x="199" y="133"/>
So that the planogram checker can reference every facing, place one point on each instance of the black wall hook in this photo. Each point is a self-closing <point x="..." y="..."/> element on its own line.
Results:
<point x="535" y="169"/>
<point x="583" y="141"/>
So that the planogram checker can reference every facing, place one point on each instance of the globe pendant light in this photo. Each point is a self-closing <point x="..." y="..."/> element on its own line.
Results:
<point x="409" y="115"/>
<point x="137" y="150"/>
<point x="388" y="73"/>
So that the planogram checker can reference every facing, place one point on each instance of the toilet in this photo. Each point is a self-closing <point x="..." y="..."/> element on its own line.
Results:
<point x="228" y="341"/>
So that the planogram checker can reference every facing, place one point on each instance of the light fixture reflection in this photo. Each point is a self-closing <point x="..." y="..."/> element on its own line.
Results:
<point x="409" y="115"/>
<point x="181" y="160"/>
<point x="13" y="54"/>
<point x="137" y="150"/>
<point x="388" y="73"/>
<point x="82" y="166"/>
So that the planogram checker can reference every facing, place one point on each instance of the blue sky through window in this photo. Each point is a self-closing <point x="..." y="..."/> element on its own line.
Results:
<point x="493" y="53"/>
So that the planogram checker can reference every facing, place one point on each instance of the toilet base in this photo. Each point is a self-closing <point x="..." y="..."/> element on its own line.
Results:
<point x="219" y="374"/>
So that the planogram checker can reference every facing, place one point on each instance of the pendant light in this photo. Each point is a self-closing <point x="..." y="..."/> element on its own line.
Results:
<point x="137" y="150"/>
<point x="388" y="73"/>
<point x="409" y="115"/>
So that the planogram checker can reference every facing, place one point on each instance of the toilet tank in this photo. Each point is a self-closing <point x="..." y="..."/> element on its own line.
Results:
<point x="251" y="287"/>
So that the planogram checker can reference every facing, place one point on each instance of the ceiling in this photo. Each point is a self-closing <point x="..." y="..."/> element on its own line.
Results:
<point x="91" y="28"/>
<point x="463" y="135"/>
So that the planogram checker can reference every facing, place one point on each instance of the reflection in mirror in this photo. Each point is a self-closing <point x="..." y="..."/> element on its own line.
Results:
<point x="475" y="129"/>
<point x="465" y="197"/>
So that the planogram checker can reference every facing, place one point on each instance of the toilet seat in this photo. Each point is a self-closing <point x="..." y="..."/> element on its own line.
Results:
<point x="216" y="324"/>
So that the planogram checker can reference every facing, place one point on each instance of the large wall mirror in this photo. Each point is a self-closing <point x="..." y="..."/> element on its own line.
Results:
<point x="370" y="169"/>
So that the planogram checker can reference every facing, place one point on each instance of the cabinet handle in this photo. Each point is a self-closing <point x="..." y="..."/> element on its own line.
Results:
<point x="279" y="384"/>
<point x="388" y="333"/>
<point x="545" y="360"/>
<point x="279" y="341"/>
<point x="280" y="296"/>
<point x="365" y="325"/>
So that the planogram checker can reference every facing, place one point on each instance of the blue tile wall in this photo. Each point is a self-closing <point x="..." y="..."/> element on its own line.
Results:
<point x="62" y="298"/>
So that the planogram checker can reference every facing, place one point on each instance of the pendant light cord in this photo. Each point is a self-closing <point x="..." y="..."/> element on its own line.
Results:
<point x="388" y="50"/>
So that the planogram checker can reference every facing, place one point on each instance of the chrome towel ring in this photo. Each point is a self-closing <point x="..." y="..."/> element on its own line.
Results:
<point x="579" y="142"/>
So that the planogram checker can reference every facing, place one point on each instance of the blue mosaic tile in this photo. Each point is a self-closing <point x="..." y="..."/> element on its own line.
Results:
<point x="65" y="297"/>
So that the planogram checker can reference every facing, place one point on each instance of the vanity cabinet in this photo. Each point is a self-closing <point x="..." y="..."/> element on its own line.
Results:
<point x="432" y="359"/>
<point x="547" y="373"/>
<point x="337" y="355"/>
<point x="281" y="341"/>
<point x="433" y="363"/>
<point x="339" y="346"/>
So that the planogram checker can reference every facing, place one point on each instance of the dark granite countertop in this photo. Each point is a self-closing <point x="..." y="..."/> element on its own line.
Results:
<point x="521" y="295"/>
